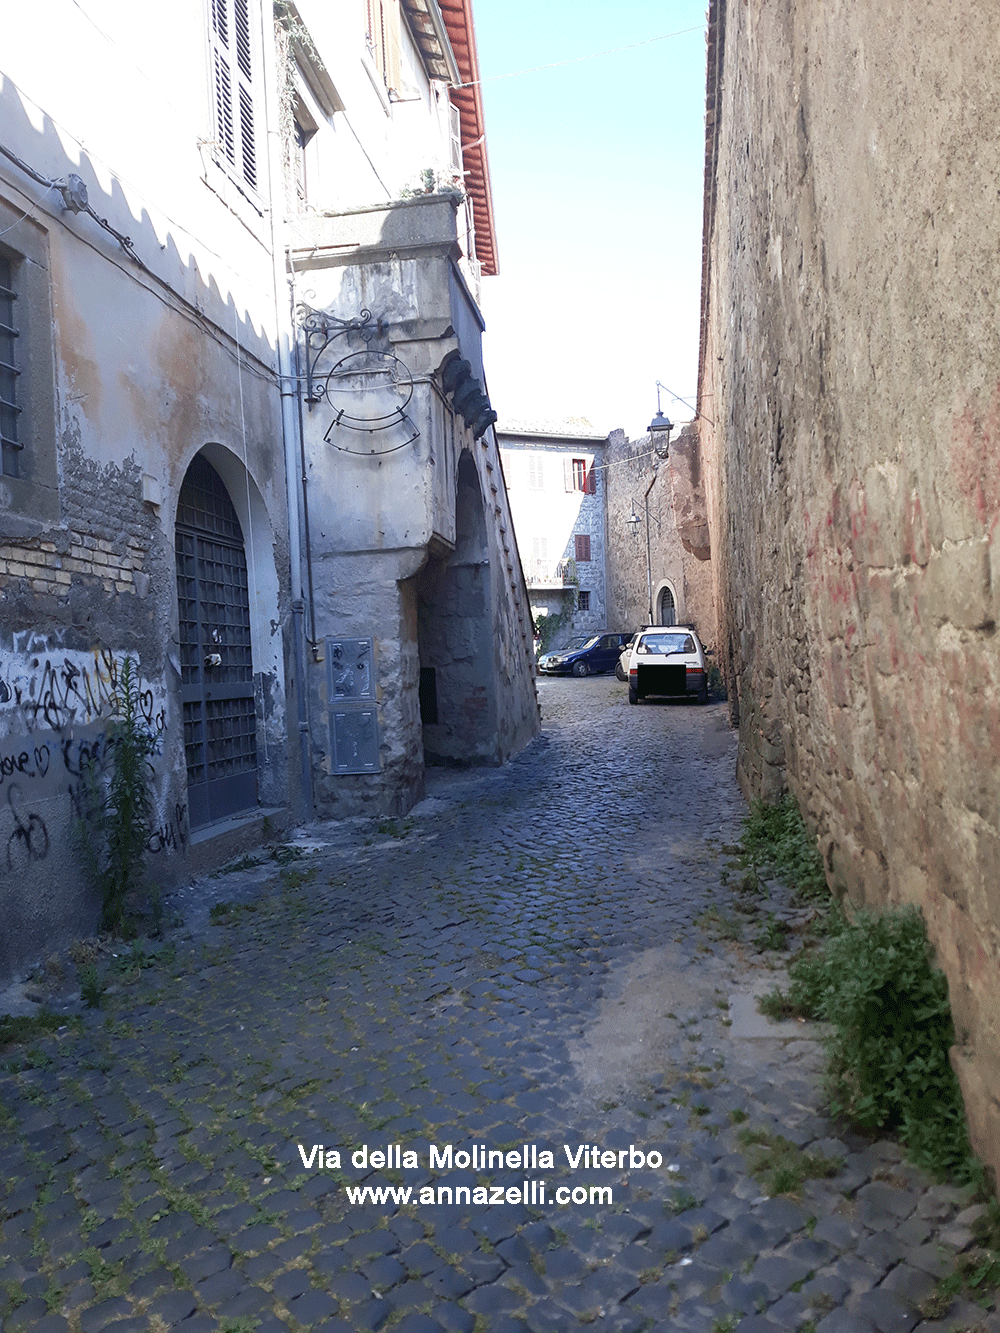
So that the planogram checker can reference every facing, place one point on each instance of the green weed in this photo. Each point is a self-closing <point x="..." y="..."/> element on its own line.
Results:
<point x="779" y="1164"/>
<point x="874" y="980"/>
<point x="773" y="933"/>
<point x="17" y="1029"/>
<point x="775" y="838"/>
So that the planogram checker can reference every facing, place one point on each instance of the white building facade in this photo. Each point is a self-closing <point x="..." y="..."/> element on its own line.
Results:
<point x="183" y="205"/>
<point x="558" y="496"/>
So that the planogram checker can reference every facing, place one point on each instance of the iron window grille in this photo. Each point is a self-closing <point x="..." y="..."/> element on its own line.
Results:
<point x="10" y="410"/>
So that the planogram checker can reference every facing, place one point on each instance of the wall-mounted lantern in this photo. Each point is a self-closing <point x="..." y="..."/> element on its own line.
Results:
<point x="660" y="427"/>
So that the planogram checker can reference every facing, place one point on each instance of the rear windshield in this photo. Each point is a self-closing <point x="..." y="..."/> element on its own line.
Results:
<point x="667" y="643"/>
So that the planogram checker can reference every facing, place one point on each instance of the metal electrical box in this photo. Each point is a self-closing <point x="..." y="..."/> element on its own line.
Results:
<point x="354" y="736"/>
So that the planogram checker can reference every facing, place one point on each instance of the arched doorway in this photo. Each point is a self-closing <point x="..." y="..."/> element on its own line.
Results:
<point x="666" y="607"/>
<point x="217" y="689"/>
<point x="455" y="638"/>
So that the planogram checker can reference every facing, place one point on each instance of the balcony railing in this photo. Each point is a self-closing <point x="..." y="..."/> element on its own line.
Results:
<point x="544" y="574"/>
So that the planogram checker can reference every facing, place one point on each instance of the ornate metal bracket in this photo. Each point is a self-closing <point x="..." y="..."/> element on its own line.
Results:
<point x="320" y="329"/>
<point x="382" y="379"/>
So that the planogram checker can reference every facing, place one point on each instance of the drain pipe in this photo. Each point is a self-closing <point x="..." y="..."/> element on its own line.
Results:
<point x="649" y="556"/>
<point x="284" y="332"/>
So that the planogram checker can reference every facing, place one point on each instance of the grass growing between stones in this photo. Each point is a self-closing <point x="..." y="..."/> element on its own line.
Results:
<point x="779" y="1165"/>
<point x="17" y="1029"/>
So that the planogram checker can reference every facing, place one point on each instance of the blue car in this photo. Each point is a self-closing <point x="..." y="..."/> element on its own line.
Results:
<point x="586" y="655"/>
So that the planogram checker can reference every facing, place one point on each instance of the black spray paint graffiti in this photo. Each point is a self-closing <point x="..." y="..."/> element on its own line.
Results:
<point x="65" y="705"/>
<point x="30" y="838"/>
<point x="66" y="694"/>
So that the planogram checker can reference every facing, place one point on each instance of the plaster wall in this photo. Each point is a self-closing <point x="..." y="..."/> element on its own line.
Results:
<point x="135" y="361"/>
<point x="851" y="365"/>
<point x="549" y="514"/>
<point x="390" y="509"/>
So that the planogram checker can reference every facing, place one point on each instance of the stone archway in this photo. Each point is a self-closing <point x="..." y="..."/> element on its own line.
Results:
<point x="454" y="634"/>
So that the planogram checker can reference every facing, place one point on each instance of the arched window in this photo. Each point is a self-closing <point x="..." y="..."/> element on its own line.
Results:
<point x="666" y="611"/>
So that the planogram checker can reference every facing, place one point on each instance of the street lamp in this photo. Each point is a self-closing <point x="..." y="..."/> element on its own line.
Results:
<point x="660" y="427"/>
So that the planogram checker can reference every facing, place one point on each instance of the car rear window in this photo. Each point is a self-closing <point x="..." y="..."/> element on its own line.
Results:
<point x="667" y="643"/>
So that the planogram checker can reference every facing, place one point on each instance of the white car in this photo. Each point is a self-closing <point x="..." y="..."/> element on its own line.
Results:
<point x="667" y="660"/>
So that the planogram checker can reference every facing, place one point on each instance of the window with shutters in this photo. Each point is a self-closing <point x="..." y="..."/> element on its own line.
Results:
<point x="234" y="79"/>
<point x="583" y="601"/>
<point x="582" y="543"/>
<point x="536" y="474"/>
<point x="382" y="38"/>
<point x="580" y="477"/>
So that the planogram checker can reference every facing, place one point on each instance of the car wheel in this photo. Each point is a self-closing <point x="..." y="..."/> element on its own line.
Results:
<point x="581" y="669"/>
<point x="633" y="696"/>
<point x="620" y="672"/>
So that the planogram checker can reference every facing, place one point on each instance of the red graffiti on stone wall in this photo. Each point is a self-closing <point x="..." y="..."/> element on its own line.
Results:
<point x="975" y="459"/>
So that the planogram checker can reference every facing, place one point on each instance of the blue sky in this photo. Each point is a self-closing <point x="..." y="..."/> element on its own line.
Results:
<point x="597" y="171"/>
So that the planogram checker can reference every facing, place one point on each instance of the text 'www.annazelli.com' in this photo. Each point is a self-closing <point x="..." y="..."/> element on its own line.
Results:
<point x="534" y="1192"/>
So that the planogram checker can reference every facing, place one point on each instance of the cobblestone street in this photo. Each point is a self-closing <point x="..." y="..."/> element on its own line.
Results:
<point x="538" y="959"/>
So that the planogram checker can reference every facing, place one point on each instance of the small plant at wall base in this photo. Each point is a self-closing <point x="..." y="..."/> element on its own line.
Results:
<point x="875" y="981"/>
<point x="775" y="838"/>
<point x="118" y="803"/>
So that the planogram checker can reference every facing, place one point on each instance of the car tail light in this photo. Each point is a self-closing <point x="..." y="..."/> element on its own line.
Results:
<point x="633" y="671"/>
<point x="695" y="670"/>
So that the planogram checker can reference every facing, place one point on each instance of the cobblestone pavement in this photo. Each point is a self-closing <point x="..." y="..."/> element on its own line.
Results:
<point x="532" y="958"/>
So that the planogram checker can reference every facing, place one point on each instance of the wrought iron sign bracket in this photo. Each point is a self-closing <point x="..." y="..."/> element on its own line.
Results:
<point x="320" y="329"/>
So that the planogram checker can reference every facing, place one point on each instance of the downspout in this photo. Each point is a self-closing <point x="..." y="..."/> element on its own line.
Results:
<point x="289" y="397"/>
<point x="649" y="557"/>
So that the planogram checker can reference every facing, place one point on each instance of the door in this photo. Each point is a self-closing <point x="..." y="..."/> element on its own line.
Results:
<point x="220" y="718"/>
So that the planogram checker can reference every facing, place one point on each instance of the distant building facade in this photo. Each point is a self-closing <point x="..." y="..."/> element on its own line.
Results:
<point x="557" y="489"/>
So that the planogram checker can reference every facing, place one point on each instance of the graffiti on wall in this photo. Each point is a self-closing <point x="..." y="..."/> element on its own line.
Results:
<point x="55" y="705"/>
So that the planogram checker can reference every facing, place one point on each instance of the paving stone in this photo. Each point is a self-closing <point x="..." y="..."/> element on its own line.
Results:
<point x="887" y="1311"/>
<point x="912" y="1284"/>
<point x="492" y="1299"/>
<point x="408" y="1029"/>
<point x="453" y="1318"/>
<point x="312" y="1306"/>
<point x="880" y="1205"/>
<point x="173" y="1306"/>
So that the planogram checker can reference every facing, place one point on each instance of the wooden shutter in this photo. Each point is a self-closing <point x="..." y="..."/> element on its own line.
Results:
<point x="384" y="39"/>
<point x="582" y="543"/>
<point x="592" y="479"/>
<point x="568" y="473"/>
<point x="391" y="19"/>
<point x="233" y="86"/>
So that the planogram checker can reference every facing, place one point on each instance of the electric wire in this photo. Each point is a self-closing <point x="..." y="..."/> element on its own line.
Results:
<point x="577" y="60"/>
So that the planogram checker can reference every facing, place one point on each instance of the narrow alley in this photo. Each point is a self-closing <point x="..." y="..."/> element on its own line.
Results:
<point x="540" y="961"/>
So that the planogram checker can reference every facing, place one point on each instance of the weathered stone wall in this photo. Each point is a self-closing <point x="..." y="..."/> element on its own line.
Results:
<point x="678" y="550"/>
<point x="851" y="365"/>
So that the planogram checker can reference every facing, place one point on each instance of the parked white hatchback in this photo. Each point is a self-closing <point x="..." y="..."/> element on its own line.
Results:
<point x="667" y="660"/>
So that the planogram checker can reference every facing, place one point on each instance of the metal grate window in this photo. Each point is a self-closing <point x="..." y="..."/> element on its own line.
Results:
<point x="10" y="445"/>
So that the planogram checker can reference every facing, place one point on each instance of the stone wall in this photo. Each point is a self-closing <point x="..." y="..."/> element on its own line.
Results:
<point x="850" y="362"/>
<point x="678" y="552"/>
